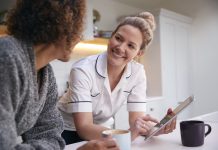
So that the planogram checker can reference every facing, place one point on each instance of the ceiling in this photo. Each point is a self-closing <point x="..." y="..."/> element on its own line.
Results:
<point x="185" y="7"/>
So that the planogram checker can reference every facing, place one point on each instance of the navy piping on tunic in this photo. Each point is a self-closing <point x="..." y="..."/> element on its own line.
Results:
<point x="80" y="102"/>
<point x="96" y="67"/>
<point x="129" y="75"/>
<point x="95" y="95"/>
<point x="136" y="102"/>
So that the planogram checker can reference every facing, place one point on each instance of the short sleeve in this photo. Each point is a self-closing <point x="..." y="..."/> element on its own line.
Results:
<point x="78" y="96"/>
<point x="137" y="98"/>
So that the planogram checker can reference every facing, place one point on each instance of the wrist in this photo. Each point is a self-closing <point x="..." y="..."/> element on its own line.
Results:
<point x="134" y="133"/>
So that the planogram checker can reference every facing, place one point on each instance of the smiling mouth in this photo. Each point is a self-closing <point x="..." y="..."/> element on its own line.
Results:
<point x="116" y="54"/>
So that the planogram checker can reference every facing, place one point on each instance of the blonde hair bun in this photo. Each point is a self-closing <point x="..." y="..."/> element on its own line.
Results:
<point x="148" y="17"/>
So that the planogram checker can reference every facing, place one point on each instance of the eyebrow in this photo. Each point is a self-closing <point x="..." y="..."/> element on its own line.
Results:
<point x="123" y="38"/>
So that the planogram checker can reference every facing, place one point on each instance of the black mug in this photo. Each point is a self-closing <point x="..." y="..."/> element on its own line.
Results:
<point x="193" y="132"/>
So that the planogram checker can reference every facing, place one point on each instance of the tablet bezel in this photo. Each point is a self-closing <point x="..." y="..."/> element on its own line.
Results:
<point x="168" y="118"/>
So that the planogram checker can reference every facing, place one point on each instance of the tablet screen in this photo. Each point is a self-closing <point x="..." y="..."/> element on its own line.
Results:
<point x="169" y="117"/>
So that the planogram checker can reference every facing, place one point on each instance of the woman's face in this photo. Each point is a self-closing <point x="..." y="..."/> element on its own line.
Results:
<point x="124" y="45"/>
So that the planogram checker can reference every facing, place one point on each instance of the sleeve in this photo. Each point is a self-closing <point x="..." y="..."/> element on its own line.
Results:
<point x="8" y="103"/>
<point x="78" y="96"/>
<point x="46" y="133"/>
<point x="137" y="98"/>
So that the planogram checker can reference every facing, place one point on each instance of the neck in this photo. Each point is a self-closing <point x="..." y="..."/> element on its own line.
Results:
<point x="114" y="75"/>
<point x="43" y="54"/>
<point x="115" y="71"/>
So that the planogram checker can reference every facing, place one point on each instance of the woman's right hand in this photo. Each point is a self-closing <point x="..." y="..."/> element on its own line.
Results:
<point x="105" y="144"/>
<point x="142" y="126"/>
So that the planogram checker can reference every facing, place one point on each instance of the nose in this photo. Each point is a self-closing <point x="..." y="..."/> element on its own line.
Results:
<point x="122" y="47"/>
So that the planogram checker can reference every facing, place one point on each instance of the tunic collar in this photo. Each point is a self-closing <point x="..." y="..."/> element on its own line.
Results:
<point x="101" y="66"/>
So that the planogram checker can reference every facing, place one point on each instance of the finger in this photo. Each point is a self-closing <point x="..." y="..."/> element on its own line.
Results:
<point x="110" y="143"/>
<point x="149" y="118"/>
<point x="167" y="128"/>
<point x="145" y="128"/>
<point x="169" y="111"/>
<point x="144" y="124"/>
<point x="142" y="129"/>
<point x="174" y="124"/>
<point x="167" y="131"/>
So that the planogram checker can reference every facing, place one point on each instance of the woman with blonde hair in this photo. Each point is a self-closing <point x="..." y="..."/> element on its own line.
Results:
<point x="101" y="84"/>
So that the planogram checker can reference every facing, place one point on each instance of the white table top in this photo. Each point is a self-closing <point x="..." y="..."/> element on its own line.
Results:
<point x="173" y="141"/>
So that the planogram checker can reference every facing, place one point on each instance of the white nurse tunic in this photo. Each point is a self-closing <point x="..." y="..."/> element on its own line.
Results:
<point x="89" y="91"/>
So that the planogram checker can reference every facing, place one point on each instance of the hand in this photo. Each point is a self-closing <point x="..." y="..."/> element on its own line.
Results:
<point x="171" y="126"/>
<point x="105" y="144"/>
<point x="142" y="126"/>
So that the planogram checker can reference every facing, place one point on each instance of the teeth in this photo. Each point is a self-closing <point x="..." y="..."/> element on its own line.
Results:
<point x="115" y="53"/>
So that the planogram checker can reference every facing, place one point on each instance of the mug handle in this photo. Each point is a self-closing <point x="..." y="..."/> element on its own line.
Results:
<point x="209" y="129"/>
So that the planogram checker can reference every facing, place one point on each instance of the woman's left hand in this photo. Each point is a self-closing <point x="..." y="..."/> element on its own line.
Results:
<point x="169" y="127"/>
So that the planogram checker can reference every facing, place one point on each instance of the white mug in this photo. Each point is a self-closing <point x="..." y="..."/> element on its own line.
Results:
<point x="122" y="137"/>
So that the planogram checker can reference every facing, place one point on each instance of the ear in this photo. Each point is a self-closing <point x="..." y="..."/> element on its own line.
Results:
<point x="140" y="53"/>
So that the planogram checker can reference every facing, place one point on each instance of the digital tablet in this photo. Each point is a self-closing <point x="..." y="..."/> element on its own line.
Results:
<point x="168" y="118"/>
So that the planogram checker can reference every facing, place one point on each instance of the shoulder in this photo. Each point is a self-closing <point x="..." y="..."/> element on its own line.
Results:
<point x="86" y="64"/>
<point x="136" y="67"/>
<point x="90" y="60"/>
<point x="7" y="46"/>
<point x="85" y="69"/>
<point x="9" y="51"/>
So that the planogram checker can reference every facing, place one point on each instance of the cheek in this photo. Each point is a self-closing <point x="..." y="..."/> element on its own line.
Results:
<point x="113" y="43"/>
<point x="132" y="56"/>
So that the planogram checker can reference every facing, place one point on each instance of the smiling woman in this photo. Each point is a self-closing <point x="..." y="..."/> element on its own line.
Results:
<point x="101" y="84"/>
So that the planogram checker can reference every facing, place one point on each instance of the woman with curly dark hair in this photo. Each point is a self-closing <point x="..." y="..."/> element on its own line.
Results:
<point x="39" y="32"/>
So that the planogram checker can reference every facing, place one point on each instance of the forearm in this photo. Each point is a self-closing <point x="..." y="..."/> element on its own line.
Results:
<point x="133" y="116"/>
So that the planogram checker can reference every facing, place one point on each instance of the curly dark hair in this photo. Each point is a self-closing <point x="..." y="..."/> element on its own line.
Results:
<point x="46" y="21"/>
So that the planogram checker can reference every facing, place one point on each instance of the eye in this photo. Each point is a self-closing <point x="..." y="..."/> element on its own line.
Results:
<point x="132" y="47"/>
<point x="118" y="38"/>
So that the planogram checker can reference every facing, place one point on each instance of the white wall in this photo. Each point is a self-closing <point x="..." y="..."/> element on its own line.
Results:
<point x="110" y="10"/>
<point x="205" y="61"/>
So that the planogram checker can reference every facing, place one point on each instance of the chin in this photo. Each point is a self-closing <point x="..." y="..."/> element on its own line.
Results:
<point x="64" y="59"/>
<point x="115" y="62"/>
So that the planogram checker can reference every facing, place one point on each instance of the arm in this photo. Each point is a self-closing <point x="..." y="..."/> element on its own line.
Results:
<point x="139" y="123"/>
<point x="46" y="133"/>
<point x="85" y="126"/>
<point x="79" y="103"/>
<point x="8" y="133"/>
